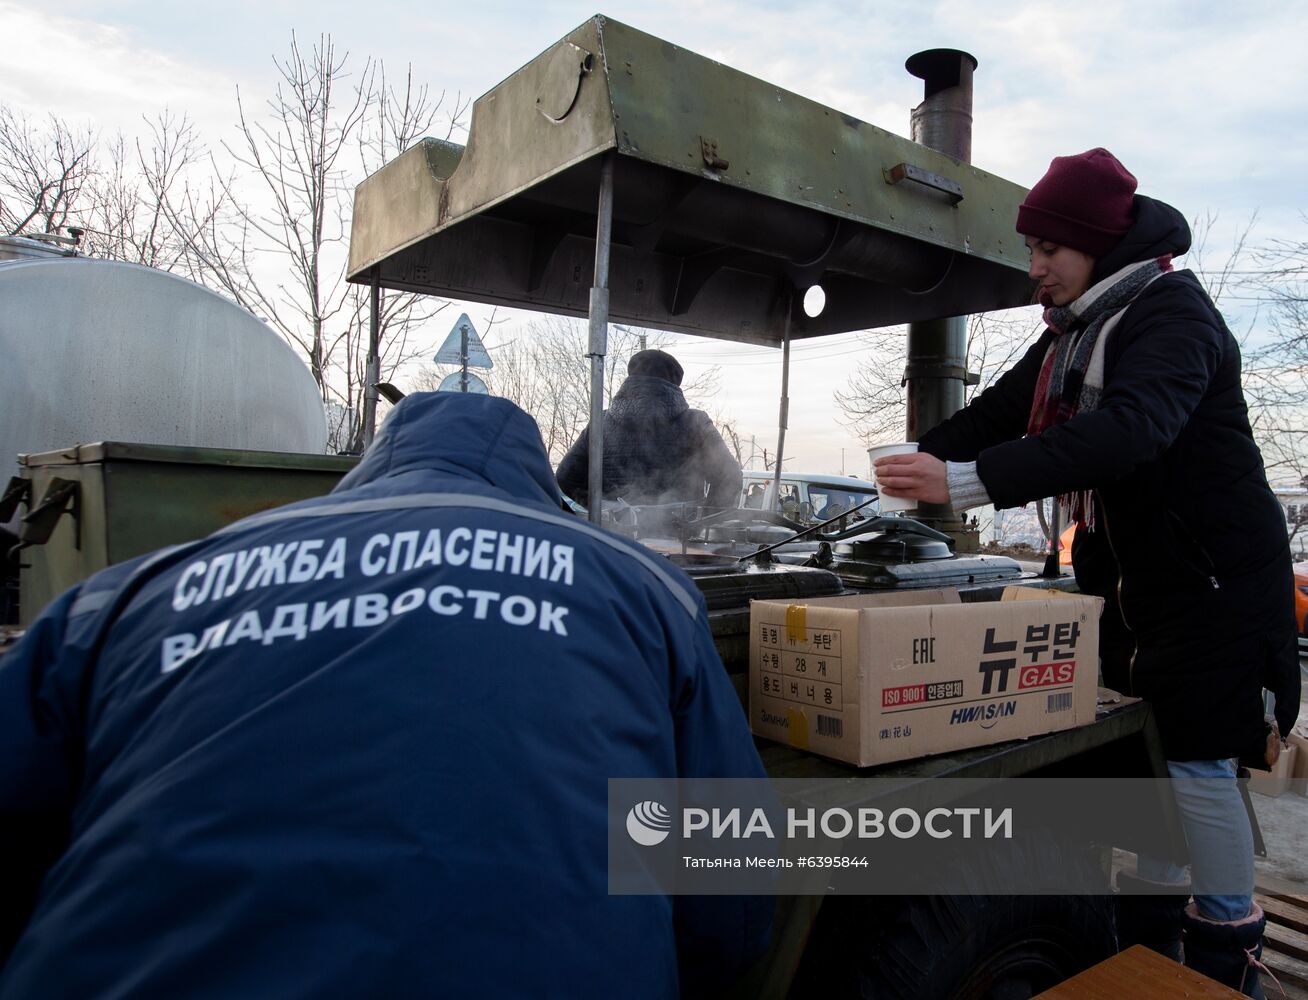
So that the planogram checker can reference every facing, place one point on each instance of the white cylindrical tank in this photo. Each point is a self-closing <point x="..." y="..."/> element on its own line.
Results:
<point x="96" y="350"/>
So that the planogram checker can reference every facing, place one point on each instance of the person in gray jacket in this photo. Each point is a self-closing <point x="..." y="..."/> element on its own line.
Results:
<point x="656" y="448"/>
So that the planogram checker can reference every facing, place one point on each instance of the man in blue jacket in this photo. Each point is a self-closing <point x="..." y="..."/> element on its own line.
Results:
<point x="359" y="746"/>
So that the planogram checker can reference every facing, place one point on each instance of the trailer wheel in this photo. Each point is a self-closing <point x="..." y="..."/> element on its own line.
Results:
<point x="963" y="947"/>
<point x="953" y="947"/>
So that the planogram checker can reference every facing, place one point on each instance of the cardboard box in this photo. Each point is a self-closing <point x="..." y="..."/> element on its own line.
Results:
<point x="882" y="677"/>
<point x="1276" y="781"/>
<point x="1299" y="776"/>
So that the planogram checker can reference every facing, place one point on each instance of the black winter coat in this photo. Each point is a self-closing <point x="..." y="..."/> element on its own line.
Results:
<point x="1190" y="549"/>
<point x="656" y="450"/>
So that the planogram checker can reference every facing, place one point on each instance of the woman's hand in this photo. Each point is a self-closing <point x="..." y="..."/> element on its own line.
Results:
<point x="918" y="476"/>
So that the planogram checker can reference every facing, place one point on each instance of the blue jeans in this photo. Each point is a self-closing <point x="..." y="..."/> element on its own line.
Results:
<point x="1218" y="836"/>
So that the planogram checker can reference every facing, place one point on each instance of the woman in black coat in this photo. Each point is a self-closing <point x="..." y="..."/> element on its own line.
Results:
<point x="1129" y="409"/>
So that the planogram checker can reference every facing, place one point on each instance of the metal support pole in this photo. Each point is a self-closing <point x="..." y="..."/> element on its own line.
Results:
<point x="1052" y="570"/>
<point x="783" y="417"/>
<point x="372" y="368"/>
<point x="599" y="338"/>
<point x="936" y="372"/>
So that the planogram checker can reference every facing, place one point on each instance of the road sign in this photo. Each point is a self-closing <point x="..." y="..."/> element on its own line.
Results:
<point x="451" y="383"/>
<point x="451" y="352"/>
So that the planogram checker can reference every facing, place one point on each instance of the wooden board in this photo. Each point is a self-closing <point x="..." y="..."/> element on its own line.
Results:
<point x="1140" y="974"/>
<point x="1285" y="943"/>
<point x="1287" y="914"/>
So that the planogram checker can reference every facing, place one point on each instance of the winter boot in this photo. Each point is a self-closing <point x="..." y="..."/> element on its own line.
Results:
<point x="1228" y="951"/>
<point x="1149" y="913"/>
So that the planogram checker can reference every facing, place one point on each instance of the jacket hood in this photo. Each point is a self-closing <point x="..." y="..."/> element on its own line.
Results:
<point x="1158" y="229"/>
<point x="464" y="434"/>
<point x="642" y="395"/>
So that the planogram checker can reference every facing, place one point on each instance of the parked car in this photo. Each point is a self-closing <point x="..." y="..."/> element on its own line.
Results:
<point x="1301" y="604"/>
<point x="807" y="497"/>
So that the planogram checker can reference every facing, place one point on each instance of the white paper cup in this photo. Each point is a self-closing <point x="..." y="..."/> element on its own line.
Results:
<point x="888" y="504"/>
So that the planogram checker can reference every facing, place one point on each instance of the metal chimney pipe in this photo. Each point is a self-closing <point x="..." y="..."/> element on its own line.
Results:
<point x="936" y="369"/>
<point x="943" y="121"/>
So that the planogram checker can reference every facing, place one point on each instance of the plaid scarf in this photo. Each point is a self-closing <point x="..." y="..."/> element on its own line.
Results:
<point x="1072" y="374"/>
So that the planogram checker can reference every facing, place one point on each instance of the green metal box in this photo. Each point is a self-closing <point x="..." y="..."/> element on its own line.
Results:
<point x="123" y="500"/>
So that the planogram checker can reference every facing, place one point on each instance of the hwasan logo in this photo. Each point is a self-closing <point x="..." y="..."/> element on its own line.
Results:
<point x="649" y="823"/>
<point x="984" y="715"/>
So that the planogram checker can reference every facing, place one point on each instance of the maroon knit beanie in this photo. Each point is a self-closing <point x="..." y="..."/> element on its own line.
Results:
<point x="1083" y="202"/>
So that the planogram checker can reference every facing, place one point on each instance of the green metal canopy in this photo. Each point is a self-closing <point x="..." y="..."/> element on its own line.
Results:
<point x="730" y="197"/>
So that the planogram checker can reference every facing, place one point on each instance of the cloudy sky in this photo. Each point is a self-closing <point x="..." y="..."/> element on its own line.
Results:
<point x="1206" y="103"/>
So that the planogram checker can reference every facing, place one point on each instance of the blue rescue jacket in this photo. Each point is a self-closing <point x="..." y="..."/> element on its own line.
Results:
<point x="359" y="747"/>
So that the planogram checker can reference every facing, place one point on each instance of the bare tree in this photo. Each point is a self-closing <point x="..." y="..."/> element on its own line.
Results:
<point x="1280" y="278"/>
<point x="400" y="117"/>
<point x="42" y="171"/>
<point x="395" y="119"/>
<point x="128" y="210"/>
<point x="268" y="225"/>
<point x="272" y="233"/>
<point x="727" y="428"/>
<point x="1273" y="275"/>
<point x="295" y="211"/>
<point x="119" y="193"/>
<point x="873" y="399"/>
